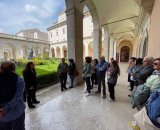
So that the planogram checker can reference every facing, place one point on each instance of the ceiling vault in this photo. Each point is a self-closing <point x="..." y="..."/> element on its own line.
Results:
<point x="120" y="20"/>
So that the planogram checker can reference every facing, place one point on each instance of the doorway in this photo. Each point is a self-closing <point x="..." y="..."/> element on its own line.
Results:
<point x="124" y="56"/>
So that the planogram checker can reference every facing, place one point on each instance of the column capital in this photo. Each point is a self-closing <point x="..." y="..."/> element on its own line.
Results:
<point x="74" y="13"/>
<point x="148" y="5"/>
<point x="106" y="28"/>
<point x="70" y="11"/>
<point x="97" y="30"/>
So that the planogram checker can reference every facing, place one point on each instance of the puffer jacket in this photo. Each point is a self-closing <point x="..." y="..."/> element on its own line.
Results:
<point x="153" y="107"/>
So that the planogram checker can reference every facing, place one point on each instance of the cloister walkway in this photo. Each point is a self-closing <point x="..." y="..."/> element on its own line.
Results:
<point x="71" y="110"/>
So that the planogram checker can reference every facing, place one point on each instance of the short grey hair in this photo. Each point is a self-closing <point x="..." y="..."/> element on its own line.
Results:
<point x="149" y="59"/>
<point x="8" y="66"/>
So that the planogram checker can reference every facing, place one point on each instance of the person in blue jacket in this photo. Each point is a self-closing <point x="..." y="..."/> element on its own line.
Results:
<point x="101" y="68"/>
<point x="12" y="107"/>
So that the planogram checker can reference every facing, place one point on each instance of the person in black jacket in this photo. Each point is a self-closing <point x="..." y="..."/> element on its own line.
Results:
<point x="71" y="71"/>
<point x="30" y="79"/>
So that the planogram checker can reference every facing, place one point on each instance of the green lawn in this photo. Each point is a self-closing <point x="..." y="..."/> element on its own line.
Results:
<point x="40" y="69"/>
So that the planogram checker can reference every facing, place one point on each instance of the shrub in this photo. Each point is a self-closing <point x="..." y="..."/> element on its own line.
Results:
<point x="47" y="79"/>
<point x="21" y="62"/>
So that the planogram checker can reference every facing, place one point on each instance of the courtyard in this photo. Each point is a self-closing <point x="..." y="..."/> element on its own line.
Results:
<point x="71" y="110"/>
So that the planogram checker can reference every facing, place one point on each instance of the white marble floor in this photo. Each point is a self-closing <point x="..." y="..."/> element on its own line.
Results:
<point x="71" y="110"/>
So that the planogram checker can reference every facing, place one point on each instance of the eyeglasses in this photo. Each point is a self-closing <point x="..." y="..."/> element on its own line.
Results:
<point x="155" y="63"/>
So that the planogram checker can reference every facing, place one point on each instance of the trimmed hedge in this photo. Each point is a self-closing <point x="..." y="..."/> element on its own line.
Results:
<point x="44" y="80"/>
<point x="46" y="70"/>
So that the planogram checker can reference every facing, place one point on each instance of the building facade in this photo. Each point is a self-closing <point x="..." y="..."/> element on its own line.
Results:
<point x="57" y="35"/>
<point x="123" y="32"/>
<point x="19" y="45"/>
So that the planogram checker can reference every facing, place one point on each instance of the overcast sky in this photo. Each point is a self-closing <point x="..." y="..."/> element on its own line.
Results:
<point x="16" y="15"/>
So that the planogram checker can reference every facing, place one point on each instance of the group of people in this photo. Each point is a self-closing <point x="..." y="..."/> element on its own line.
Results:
<point x="13" y="93"/>
<point x="63" y="70"/>
<point x="144" y="79"/>
<point x="95" y="72"/>
<point x="143" y="76"/>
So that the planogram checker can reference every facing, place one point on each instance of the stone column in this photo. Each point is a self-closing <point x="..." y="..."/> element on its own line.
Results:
<point x="50" y="53"/>
<point x="55" y="49"/>
<point x="106" y="43"/>
<point x="115" y="49"/>
<point x="75" y="35"/>
<point x="97" y="42"/>
<point x="86" y="49"/>
<point x="111" y="48"/>
<point x="61" y="52"/>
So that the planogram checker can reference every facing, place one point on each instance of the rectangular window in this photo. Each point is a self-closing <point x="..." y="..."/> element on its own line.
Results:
<point x="57" y="33"/>
<point x="51" y="34"/>
<point x="63" y="30"/>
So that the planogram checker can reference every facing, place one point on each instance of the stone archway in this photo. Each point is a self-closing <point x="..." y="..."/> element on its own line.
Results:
<point x="124" y="50"/>
<point x="90" y="49"/>
<point x="6" y="54"/>
<point x="53" y="53"/>
<point x="64" y="49"/>
<point x="25" y="51"/>
<point x="74" y="13"/>
<point x="8" y="51"/>
<point x="58" y="52"/>
<point x="145" y="47"/>
<point x="45" y="52"/>
<point x="124" y="54"/>
<point x="37" y="51"/>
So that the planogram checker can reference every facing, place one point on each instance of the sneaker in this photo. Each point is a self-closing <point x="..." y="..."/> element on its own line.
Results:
<point x="88" y="94"/>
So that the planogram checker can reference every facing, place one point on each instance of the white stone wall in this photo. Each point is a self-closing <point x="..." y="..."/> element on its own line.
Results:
<point x="33" y="33"/>
<point x="57" y="35"/>
<point x="15" y="47"/>
<point x="61" y="17"/>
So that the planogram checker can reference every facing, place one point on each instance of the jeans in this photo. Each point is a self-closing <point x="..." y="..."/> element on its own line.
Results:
<point x="18" y="124"/>
<point x="72" y="79"/>
<point x="111" y="90"/>
<point x="94" y="79"/>
<point x="88" y="84"/>
<point x="63" y="79"/>
<point x="101" y="79"/>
